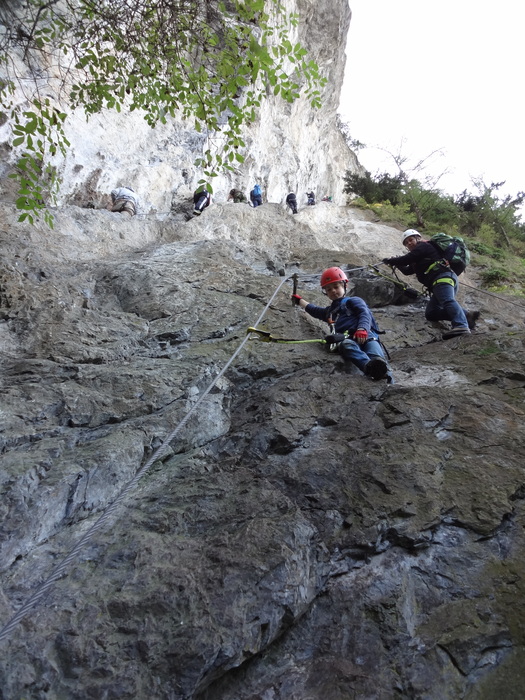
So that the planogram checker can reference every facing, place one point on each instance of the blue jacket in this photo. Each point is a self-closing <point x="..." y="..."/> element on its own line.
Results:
<point x="348" y="314"/>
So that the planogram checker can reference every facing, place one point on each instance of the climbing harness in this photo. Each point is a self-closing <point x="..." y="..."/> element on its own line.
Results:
<point x="267" y="337"/>
<point x="410" y="292"/>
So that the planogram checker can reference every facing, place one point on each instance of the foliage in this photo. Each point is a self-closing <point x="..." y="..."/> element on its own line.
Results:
<point x="417" y="187"/>
<point x="477" y="246"/>
<point x="491" y="225"/>
<point x="344" y="128"/>
<point x="399" y="214"/>
<point x="487" y="208"/>
<point x="494" y="275"/>
<point x="213" y="63"/>
<point x="410" y="196"/>
<point x="430" y="204"/>
<point x="40" y="132"/>
<point x="381" y="188"/>
<point x="489" y="350"/>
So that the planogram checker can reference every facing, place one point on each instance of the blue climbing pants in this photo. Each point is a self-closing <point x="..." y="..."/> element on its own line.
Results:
<point x="442" y="305"/>
<point x="360" y="355"/>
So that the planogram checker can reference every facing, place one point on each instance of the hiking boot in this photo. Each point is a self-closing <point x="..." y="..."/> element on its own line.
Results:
<point x="376" y="369"/>
<point x="453" y="332"/>
<point x="472" y="317"/>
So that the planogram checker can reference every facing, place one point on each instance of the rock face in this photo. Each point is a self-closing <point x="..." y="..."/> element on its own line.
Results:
<point x="308" y="533"/>
<point x="186" y="514"/>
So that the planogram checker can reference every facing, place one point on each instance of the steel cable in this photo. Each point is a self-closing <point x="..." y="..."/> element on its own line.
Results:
<point x="61" y="568"/>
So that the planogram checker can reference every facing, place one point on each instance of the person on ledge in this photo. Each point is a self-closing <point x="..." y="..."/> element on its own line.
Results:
<point x="124" y="200"/>
<point x="291" y="201"/>
<point x="256" y="196"/>
<point x="201" y="200"/>
<point x="356" y="334"/>
<point x="237" y="196"/>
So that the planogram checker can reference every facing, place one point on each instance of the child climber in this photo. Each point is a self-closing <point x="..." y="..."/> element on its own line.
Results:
<point x="355" y="329"/>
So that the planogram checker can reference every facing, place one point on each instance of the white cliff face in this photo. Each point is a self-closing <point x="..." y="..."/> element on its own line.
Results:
<point x="290" y="147"/>
<point x="293" y="147"/>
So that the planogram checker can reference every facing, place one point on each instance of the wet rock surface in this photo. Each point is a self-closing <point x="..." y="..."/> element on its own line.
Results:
<point x="309" y="533"/>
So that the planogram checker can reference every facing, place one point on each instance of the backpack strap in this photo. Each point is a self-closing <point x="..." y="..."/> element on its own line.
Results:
<point x="449" y="253"/>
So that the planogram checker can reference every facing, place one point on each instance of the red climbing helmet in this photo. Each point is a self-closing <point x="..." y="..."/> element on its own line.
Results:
<point x="333" y="274"/>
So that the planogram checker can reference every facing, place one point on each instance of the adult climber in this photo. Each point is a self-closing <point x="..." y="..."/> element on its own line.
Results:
<point x="201" y="199"/>
<point x="310" y="198"/>
<point x="426" y="262"/>
<point x="355" y="332"/>
<point x="256" y="196"/>
<point x="291" y="201"/>
<point x="124" y="200"/>
<point x="237" y="196"/>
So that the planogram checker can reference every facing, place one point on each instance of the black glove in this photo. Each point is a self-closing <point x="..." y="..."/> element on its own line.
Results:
<point x="389" y="261"/>
<point x="334" y="339"/>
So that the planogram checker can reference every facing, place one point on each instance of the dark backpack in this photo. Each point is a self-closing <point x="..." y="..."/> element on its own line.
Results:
<point x="454" y="250"/>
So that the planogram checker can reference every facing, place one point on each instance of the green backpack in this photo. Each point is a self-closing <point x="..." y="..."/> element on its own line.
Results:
<point x="454" y="250"/>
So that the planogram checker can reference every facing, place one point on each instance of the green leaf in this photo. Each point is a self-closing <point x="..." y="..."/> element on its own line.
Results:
<point x="164" y="62"/>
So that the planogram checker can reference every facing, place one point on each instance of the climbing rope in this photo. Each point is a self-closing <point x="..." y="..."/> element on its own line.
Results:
<point x="491" y="294"/>
<point x="62" y="567"/>
<point x="405" y="288"/>
<point x="349" y="270"/>
<point x="475" y="289"/>
<point x="68" y="560"/>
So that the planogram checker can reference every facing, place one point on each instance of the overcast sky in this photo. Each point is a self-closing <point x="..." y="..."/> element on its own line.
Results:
<point x="439" y="75"/>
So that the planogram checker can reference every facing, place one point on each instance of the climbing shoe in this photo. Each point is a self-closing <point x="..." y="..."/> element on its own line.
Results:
<point x="196" y="212"/>
<point x="472" y="317"/>
<point x="453" y="332"/>
<point x="376" y="369"/>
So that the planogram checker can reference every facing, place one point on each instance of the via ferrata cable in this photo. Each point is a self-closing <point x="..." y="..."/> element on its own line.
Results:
<point x="61" y="569"/>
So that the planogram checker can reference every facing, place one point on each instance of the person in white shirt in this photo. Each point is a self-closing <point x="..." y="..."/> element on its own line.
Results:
<point x="124" y="199"/>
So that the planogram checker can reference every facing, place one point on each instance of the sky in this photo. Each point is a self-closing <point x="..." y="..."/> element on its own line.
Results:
<point x="446" y="75"/>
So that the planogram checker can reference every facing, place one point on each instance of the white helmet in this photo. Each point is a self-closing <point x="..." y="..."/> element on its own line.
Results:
<point x="411" y="232"/>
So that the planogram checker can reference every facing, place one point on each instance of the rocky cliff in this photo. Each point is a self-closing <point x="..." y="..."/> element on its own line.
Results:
<point x="187" y="514"/>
